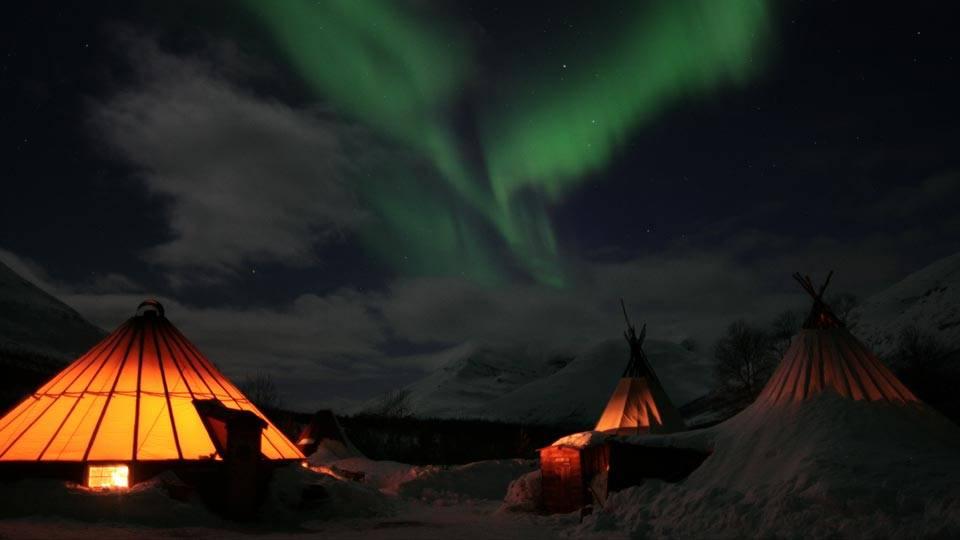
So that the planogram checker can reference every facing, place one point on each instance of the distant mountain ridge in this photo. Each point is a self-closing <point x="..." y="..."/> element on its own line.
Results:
<point x="38" y="335"/>
<point x="35" y="322"/>
<point x="517" y="386"/>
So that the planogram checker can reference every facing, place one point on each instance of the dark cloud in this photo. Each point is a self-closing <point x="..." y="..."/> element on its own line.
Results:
<point x="907" y="202"/>
<point x="333" y="349"/>
<point x="245" y="179"/>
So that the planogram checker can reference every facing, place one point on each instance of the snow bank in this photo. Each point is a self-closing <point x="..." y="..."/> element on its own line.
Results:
<point x="298" y="494"/>
<point x="825" y="467"/>
<point x="480" y="480"/>
<point x="330" y="450"/>
<point x="524" y="493"/>
<point x="385" y="476"/>
<point x="438" y="483"/>
<point x="147" y="503"/>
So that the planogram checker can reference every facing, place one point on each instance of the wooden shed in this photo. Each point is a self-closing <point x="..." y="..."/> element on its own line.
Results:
<point x="575" y="476"/>
<point x="566" y="473"/>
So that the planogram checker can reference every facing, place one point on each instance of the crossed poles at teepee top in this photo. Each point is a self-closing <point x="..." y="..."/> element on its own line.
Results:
<point x="821" y="315"/>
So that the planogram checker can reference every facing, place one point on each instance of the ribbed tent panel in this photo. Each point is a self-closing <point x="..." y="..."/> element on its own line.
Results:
<point x="832" y="359"/>
<point x="635" y="406"/>
<point x="130" y="398"/>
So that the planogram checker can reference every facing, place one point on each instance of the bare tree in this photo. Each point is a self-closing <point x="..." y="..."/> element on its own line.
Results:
<point x="842" y="305"/>
<point x="745" y="360"/>
<point x="917" y="350"/>
<point x="261" y="389"/>
<point x="929" y="368"/>
<point x="784" y="327"/>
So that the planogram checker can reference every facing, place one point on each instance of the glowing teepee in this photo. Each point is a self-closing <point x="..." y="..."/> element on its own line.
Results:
<point x="638" y="403"/>
<point x="129" y="399"/>
<point x="825" y="356"/>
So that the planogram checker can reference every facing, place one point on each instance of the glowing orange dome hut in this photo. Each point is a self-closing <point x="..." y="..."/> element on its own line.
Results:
<point x="142" y="398"/>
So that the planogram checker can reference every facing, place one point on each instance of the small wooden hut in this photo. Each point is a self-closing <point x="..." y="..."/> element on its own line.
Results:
<point x="584" y="469"/>
<point x="566" y="473"/>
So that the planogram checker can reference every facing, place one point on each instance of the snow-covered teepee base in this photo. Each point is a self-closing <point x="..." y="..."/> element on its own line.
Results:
<point x="828" y="466"/>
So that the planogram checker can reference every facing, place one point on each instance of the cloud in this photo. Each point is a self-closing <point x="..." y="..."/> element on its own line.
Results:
<point x="335" y="348"/>
<point x="318" y="349"/>
<point x="936" y="192"/>
<point x="328" y="348"/>
<point x="680" y="295"/>
<point x="244" y="178"/>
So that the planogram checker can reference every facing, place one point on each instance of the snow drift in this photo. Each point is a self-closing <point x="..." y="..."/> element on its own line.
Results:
<point x="813" y="469"/>
<point x="487" y="480"/>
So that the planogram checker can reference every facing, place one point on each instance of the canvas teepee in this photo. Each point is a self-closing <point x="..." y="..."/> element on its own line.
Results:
<point x="638" y="403"/>
<point x="134" y="397"/>
<point x="826" y="356"/>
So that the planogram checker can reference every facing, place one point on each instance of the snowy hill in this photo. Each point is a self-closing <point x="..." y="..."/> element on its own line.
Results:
<point x="473" y="378"/>
<point x="509" y="386"/>
<point x="928" y="298"/>
<point x="37" y="331"/>
<point x="577" y="393"/>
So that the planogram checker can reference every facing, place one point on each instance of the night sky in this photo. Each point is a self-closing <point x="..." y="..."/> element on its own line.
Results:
<point x="346" y="194"/>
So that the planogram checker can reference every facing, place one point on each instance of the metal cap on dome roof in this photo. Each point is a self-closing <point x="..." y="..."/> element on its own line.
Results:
<point x="151" y="308"/>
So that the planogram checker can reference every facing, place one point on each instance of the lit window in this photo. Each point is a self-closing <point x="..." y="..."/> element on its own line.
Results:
<point x="108" y="476"/>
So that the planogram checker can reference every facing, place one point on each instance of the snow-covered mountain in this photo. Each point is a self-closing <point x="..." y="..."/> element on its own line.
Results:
<point x="928" y="299"/>
<point x="472" y="378"/>
<point x="577" y="393"/>
<point x="36" y="329"/>
<point x="514" y="386"/>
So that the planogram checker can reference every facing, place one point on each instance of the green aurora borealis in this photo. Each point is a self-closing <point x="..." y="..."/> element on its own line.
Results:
<point x="552" y="120"/>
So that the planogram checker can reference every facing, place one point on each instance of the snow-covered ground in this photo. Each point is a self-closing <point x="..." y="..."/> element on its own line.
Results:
<point x="508" y="386"/>
<point x="928" y="299"/>
<point x="829" y="467"/>
<point x="393" y="501"/>
<point x="825" y="468"/>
